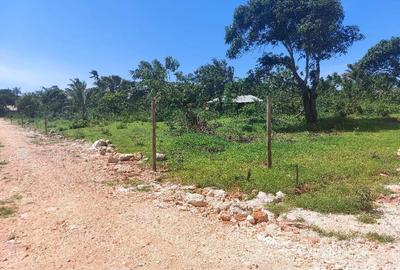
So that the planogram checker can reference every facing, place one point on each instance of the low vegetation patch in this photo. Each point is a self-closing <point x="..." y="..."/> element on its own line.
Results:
<point x="335" y="234"/>
<point x="371" y="236"/>
<point x="381" y="238"/>
<point x="6" y="211"/>
<point x="129" y="183"/>
<point x="3" y="162"/>
<point x="368" y="218"/>
<point x="278" y="208"/>
<point x="7" y="206"/>
<point x="10" y="200"/>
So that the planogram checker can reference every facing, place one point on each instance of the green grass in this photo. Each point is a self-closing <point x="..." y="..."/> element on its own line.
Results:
<point x="381" y="238"/>
<point x="278" y="208"/>
<point x="342" y="236"/>
<point x="340" y="162"/>
<point x="334" y="234"/>
<point x="368" y="218"/>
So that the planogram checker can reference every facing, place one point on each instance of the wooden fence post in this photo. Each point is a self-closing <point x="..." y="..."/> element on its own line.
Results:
<point x="269" y="132"/>
<point x="45" y="123"/>
<point x="153" y="135"/>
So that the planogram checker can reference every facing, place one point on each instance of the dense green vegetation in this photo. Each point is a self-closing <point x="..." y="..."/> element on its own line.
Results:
<point x="342" y="130"/>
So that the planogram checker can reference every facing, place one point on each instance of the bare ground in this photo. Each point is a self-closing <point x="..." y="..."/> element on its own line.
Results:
<point x="68" y="218"/>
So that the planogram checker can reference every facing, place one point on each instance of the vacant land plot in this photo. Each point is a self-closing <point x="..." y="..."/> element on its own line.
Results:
<point x="342" y="166"/>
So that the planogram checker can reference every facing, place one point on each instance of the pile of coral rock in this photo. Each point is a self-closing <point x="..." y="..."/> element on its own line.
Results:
<point x="106" y="147"/>
<point x="103" y="147"/>
<point x="233" y="207"/>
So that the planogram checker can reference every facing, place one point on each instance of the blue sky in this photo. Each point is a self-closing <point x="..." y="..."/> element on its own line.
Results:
<point x="47" y="42"/>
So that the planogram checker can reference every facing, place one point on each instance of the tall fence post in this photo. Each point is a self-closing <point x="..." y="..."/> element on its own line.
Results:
<point x="268" y="136"/>
<point x="153" y="135"/>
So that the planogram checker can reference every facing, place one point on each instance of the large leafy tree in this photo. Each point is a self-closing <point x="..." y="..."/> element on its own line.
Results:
<point x="110" y="95"/>
<point x="77" y="92"/>
<point x="306" y="32"/>
<point x="29" y="105"/>
<point x="112" y="83"/>
<point x="153" y="77"/>
<point x="383" y="59"/>
<point x="213" y="78"/>
<point x="180" y="105"/>
<point x="53" y="99"/>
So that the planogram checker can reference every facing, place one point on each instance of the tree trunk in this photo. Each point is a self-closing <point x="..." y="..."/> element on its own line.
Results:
<point x="310" y="107"/>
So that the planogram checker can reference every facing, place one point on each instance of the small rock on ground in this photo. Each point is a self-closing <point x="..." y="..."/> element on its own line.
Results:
<point x="125" y="157"/>
<point x="196" y="200"/>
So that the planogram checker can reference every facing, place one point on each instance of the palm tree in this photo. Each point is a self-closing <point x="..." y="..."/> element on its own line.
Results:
<point x="77" y="92"/>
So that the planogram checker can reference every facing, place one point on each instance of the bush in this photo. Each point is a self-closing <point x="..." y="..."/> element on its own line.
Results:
<point x="248" y="128"/>
<point x="79" y="123"/>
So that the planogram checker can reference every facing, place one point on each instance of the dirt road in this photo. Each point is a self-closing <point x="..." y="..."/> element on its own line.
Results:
<point x="68" y="219"/>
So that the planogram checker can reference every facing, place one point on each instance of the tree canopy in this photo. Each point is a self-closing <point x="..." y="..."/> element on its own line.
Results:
<point x="53" y="100"/>
<point x="28" y="104"/>
<point x="77" y="92"/>
<point x="310" y="31"/>
<point x="214" y="77"/>
<point x="383" y="59"/>
<point x="153" y="76"/>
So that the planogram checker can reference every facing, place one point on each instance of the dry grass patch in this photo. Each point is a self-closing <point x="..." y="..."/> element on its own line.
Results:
<point x="381" y="238"/>
<point x="7" y="206"/>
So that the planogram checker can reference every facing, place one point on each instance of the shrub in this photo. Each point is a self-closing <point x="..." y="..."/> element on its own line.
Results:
<point x="248" y="128"/>
<point x="79" y="123"/>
